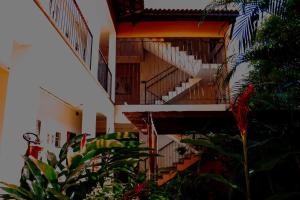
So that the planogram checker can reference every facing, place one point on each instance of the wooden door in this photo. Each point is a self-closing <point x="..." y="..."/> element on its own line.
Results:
<point x="128" y="83"/>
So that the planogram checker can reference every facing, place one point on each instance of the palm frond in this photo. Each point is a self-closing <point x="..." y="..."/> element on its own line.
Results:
<point x="252" y="13"/>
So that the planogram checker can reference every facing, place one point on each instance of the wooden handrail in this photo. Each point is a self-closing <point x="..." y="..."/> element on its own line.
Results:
<point x="157" y="75"/>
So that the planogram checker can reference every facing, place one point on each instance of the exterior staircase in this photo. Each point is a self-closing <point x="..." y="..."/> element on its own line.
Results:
<point x="181" y="59"/>
<point x="169" y="174"/>
<point x="173" y="162"/>
<point x="184" y="86"/>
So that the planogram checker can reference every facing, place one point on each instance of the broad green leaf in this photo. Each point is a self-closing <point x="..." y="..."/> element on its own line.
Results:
<point x="16" y="191"/>
<point x="75" y="174"/>
<point x="73" y="142"/>
<point x="103" y="143"/>
<point x="219" y="179"/>
<point x="37" y="189"/>
<point x="90" y="155"/>
<point x="131" y="144"/>
<point x="6" y="196"/>
<point x="125" y="162"/>
<point x="208" y="144"/>
<point x="119" y="136"/>
<point x="199" y="142"/>
<point x="35" y="171"/>
<point x="13" y="193"/>
<point x="285" y="196"/>
<point x="74" y="160"/>
<point x="57" y="195"/>
<point x="46" y="170"/>
<point x="125" y="170"/>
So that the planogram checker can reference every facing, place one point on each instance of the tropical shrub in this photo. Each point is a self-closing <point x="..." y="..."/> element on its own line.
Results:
<point x="81" y="165"/>
<point x="110" y="191"/>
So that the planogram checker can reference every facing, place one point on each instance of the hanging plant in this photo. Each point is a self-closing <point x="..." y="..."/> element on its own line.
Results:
<point x="181" y="150"/>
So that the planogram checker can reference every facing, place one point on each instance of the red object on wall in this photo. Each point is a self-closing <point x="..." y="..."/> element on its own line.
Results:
<point x="34" y="151"/>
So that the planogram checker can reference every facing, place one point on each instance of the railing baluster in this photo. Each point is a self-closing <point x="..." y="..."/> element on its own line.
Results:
<point x="63" y="16"/>
<point x="67" y="17"/>
<point x="104" y="74"/>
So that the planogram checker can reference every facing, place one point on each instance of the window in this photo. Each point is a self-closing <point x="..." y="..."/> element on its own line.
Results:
<point x="57" y="139"/>
<point x="38" y="127"/>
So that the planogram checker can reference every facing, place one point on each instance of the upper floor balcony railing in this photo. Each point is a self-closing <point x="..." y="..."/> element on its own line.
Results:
<point x="104" y="74"/>
<point x="170" y="71"/>
<point x="68" y="19"/>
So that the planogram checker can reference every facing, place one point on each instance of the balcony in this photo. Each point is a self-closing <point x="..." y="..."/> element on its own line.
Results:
<point x="158" y="71"/>
<point x="68" y="20"/>
<point x="104" y="74"/>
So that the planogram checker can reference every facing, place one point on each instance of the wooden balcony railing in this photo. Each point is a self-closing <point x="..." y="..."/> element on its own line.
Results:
<point x="67" y="17"/>
<point x="104" y="74"/>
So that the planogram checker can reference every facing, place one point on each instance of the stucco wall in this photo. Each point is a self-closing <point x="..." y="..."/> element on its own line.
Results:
<point x="38" y="57"/>
<point x="56" y="116"/>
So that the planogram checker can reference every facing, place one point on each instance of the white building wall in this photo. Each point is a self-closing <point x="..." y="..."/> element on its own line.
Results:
<point x="37" y="56"/>
<point x="56" y="116"/>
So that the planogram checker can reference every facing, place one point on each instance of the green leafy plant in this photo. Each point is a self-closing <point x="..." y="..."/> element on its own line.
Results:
<point x="111" y="190"/>
<point x="153" y="192"/>
<point x="224" y="153"/>
<point x="81" y="165"/>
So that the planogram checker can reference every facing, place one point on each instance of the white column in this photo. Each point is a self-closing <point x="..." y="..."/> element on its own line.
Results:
<point x="110" y="124"/>
<point x="20" y="113"/>
<point x="89" y="120"/>
<point x="112" y="61"/>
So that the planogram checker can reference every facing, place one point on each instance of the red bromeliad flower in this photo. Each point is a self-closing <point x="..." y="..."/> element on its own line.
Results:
<point x="139" y="188"/>
<point x="83" y="143"/>
<point x="241" y="109"/>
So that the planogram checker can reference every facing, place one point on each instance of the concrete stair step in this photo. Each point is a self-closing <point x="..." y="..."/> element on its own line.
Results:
<point x="172" y="94"/>
<point x="188" y="162"/>
<point x="165" y="98"/>
<point x="178" y="90"/>
<point x="159" y="102"/>
<point x="174" y="55"/>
